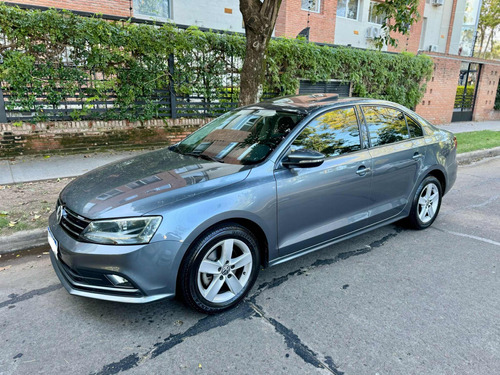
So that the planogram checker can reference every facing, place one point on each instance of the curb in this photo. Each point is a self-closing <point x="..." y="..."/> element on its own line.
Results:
<point x="29" y="239"/>
<point x="470" y="157"/>
<point x="23" y="240"/>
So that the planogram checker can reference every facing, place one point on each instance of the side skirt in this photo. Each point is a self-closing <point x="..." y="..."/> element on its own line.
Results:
<point x="322" y="245"/>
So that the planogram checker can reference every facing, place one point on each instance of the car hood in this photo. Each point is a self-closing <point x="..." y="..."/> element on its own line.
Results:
<point x="137" y="185"/>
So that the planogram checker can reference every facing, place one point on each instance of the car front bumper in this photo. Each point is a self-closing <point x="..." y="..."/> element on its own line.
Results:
<point x="83" y="268"/>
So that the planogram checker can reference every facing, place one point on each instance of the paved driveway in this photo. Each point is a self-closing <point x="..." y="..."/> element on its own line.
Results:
<point x="393" y="301"/>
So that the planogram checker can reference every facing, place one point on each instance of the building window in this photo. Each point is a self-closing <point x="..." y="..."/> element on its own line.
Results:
<point x="311" y="5"/>
<point x="152" y="8"/>
<point x="348" y="9"/>
<point x="373" y="16"/>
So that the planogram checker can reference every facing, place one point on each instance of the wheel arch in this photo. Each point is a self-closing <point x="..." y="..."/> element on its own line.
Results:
<point x="441" y="177"/>
<point x="251" y="225"/>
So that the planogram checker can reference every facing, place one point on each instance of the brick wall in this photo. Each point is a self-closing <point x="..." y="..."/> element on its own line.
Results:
<point x="82" y="136"/>
<point x="439" y="98"/>
<point x="486" y="93"/>
<point x="111" y="7"/>
<point x="292" y="20"/>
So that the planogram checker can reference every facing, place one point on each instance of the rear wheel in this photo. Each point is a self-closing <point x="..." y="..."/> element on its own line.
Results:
<point x="426" y="203"/>
<point x="219" y="269"/>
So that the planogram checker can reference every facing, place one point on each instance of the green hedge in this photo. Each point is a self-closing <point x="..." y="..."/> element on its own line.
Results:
<point x="127" y="63"/>
<point x="467" y="102"/>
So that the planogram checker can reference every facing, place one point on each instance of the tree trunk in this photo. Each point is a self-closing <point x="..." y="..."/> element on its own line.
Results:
<point x="488" y="42"/>
<point x="260" y="18"/>
<point x="481" y="41"/>
<point x="252" y="72"/>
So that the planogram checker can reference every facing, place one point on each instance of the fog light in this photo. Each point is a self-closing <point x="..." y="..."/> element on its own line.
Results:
<point x="119" y="281"/>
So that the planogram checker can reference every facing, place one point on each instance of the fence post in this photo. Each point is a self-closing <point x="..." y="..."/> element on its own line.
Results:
<point x="3" y="114"/>
<point x="173" y="98"/>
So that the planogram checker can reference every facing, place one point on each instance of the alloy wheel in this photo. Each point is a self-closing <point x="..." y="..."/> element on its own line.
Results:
<point x="428" y="203"/>
<point x="225" y="270"/>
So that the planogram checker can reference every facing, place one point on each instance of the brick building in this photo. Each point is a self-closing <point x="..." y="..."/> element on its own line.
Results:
<point x="119" y="8"/>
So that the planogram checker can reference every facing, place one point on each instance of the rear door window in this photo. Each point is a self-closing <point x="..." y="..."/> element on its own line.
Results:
<point x="385" y="125"/>
<point x="333" y="133"/>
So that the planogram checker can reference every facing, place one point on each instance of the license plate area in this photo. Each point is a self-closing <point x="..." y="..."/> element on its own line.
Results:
<point x="52" y="242"/>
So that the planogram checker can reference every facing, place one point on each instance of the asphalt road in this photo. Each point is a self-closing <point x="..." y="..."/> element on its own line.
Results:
<point x="394" y="301"/>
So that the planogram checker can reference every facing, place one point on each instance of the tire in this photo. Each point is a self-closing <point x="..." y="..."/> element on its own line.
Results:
<point x="426" y="203"/>
<point x="219" y="269"/>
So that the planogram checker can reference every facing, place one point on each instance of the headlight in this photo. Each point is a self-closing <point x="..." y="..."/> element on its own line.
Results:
<point x="129" y="231"/>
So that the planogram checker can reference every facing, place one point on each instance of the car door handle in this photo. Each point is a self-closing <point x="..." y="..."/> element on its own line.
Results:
<point x="417" y="156"/>
<point x="362" y="171"/>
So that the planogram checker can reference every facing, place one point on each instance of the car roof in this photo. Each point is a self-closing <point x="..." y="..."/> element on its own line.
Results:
<point x="306" y="104"/>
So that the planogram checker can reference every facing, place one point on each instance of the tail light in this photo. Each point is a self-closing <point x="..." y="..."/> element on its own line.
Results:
<point x="455" y="141"/>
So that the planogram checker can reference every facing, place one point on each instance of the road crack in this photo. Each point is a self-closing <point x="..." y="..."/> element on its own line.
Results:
<point x="15" y="298"/>
<point x="242" y="311"/>
<point x="294" y="343"/>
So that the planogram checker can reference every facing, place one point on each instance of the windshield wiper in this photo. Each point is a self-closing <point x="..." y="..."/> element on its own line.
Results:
<point x="203" y="156"/>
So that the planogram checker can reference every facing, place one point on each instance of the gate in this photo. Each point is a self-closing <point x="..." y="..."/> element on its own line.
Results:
<point x="466" y="91"/>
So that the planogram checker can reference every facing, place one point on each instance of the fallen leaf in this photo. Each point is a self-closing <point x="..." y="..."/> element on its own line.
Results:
<point x="199" y="365"/>
<point x="12" y="223"/>
<point x="3" y="213"/>
<point x="46" y="156"/>
<point x="36" y="217"/>
<point x="45" y="253"/>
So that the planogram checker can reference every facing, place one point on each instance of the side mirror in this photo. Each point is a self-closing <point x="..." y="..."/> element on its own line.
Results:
<point x="303" y="159"/>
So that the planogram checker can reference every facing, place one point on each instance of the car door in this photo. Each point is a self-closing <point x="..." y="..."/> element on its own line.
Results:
<point x="396" y="159"/>
<point x="320" y="203"/>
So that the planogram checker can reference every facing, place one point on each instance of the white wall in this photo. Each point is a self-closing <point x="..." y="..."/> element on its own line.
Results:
<point x="353" y="32"/>
<point x="210" y="14"/>
<point x="438" y="21"/>
<point x="457" y="27"/>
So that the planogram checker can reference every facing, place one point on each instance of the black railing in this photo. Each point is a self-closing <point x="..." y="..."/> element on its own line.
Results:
<point x="87" y="104"/>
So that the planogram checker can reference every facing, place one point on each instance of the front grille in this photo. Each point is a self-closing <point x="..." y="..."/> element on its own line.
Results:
<point x="73" y="223"/>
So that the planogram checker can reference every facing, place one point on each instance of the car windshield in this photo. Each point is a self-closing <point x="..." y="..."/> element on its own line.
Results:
<point x="245" y="136"/>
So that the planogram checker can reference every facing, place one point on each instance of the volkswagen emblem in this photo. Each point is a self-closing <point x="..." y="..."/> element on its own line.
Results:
<point x="59" y="213"/>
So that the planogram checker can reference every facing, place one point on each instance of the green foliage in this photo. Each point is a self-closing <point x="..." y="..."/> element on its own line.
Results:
<point x="373" y="74"/>
<point x="489" y="21"/>
<point x="54" y="58"/>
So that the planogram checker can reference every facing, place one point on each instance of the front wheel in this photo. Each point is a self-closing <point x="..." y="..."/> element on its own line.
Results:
<point x="219" y="269"/>
<point x="426" y="203"/>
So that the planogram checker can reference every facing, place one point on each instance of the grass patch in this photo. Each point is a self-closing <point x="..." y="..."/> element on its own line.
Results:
<point x="480" y="140"/>
<point x="3" y="222"/>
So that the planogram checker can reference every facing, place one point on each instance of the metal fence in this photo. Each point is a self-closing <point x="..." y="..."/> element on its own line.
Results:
<point x="84" y="105"/>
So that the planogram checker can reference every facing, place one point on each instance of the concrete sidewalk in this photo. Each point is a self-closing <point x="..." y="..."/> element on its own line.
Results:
<point x="470" y="126"/>
<point x="35" y="168"/>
